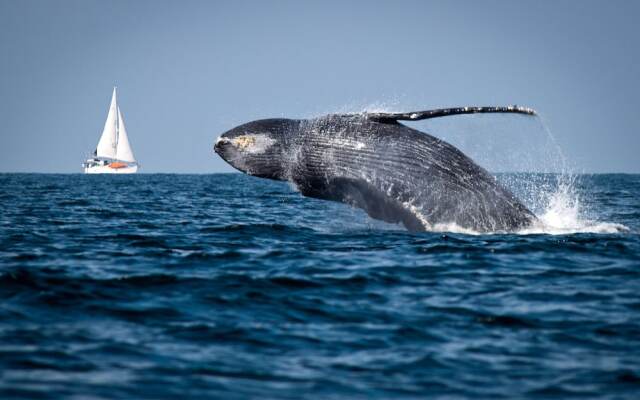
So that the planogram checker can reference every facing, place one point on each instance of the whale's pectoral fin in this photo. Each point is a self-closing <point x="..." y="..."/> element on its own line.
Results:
<point x="362" y="195"/>
<point x="445" y="112"/>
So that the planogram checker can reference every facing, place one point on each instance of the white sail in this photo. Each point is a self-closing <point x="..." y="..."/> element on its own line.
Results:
<point x="107" y="144"/>
<point x="113" y="146"/>
<point x="123" y="151"/>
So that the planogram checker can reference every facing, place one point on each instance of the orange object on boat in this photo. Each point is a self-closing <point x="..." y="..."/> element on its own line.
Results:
<point x="117" y="165"/>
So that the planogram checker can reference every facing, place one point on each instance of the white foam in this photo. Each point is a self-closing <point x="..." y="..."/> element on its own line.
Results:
<point x="563" y="215"/>
<point x="452" y="227"/>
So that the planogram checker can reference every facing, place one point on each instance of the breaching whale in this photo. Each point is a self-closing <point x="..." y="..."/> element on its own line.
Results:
<point x="371" y="161"/>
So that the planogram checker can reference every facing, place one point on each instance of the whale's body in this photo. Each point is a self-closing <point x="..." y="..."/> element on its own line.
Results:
<point x="370" y="161"/>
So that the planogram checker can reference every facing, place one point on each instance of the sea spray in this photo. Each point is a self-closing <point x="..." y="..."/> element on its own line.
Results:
<point x="540" y="174"/>
<point x="563" y="212"/>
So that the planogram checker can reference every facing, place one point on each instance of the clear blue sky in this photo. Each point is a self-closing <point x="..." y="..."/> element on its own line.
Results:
<point x="189" y="70"/>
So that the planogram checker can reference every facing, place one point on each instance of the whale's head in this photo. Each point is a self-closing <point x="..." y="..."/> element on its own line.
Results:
<point x="259" y="147"/>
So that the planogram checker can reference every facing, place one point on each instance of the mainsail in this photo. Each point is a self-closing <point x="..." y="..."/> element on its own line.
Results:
<point x="123" y="150"/>
<point x="109" y="139"/>
<point x="114" y="142"/>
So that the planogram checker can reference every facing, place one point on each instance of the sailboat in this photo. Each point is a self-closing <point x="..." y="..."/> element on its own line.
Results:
<point x="113" y="155"/>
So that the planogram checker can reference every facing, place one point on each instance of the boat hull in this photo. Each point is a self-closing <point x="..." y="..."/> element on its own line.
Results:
<point x="105" y="169"/>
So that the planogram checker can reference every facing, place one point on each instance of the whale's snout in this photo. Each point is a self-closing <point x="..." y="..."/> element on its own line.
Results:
<point x="220" y="144"/>
<point x="257" y="148"/>
<point x="249" y="153"/>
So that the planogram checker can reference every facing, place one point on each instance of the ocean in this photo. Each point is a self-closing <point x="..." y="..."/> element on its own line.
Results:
<point x="226" y="286"/>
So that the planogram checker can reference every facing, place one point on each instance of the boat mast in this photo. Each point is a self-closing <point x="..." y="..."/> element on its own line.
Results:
<point x="115" y="95"/>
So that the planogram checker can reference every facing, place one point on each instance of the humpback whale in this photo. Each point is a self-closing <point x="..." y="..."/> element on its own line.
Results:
<point x="372" y="161"/>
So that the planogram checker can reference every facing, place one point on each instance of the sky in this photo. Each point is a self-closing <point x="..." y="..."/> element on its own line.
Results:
<point x="187" y="71"/>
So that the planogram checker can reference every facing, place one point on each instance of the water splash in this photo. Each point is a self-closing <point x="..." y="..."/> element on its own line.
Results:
<point x="551" y="194"/>
<point x="563" y="211"/>
<point x="565" y="214"/>
<point x="389" y="106"/>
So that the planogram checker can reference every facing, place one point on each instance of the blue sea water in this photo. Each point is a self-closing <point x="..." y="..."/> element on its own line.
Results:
<point x="227" y="286"/>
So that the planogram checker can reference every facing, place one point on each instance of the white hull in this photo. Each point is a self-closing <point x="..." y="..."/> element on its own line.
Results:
<point x="104" y="169"/>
